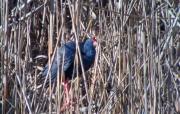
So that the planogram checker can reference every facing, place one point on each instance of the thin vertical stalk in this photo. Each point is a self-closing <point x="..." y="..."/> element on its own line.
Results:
<point x="50" y="46"/>
<point x="6" y="58"/>
<point x="144" y="68"/>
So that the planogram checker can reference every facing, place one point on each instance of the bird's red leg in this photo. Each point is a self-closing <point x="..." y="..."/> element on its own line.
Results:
<point x="67" y="91"/>
<point x="67" y="96"/>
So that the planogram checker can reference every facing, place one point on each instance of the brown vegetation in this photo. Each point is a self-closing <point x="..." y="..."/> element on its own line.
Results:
<point x="137" y="67"/>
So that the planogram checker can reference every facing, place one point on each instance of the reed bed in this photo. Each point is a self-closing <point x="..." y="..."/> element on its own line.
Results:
<point x="137" y="66"/>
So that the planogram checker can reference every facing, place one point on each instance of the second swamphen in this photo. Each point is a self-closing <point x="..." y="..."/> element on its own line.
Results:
<point x="67" y="53"/>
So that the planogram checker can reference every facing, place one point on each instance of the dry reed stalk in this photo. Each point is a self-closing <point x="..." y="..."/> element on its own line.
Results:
<point x="137" y="62"/>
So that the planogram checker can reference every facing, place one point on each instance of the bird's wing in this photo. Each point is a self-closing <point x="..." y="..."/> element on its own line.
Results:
<point x="69" y="54"/>
<point x="66" y="57"/>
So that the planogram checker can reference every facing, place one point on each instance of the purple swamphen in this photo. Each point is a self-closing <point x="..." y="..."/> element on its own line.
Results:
<point x="67" y="53"/>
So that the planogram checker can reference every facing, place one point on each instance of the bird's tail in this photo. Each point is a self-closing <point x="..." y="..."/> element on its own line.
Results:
<point x="44" y="81"/>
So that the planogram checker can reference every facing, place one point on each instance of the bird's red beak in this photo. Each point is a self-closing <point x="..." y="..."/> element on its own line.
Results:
<point x="94" y="42"/>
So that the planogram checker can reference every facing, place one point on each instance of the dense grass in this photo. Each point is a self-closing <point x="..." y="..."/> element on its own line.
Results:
<point x="137" y="62"/>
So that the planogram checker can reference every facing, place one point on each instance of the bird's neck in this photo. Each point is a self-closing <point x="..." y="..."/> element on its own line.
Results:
<point x="90" y="53"/>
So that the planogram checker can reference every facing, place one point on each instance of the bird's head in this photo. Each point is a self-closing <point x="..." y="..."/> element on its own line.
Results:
<point x="90" y="44"/>
<point x="94" y="42"/>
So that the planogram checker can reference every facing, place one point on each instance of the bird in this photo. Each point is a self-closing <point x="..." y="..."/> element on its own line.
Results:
<point x="66" y="64"/>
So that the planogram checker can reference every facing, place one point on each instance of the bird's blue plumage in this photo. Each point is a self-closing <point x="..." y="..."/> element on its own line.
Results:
<point x="67" y="51"/>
